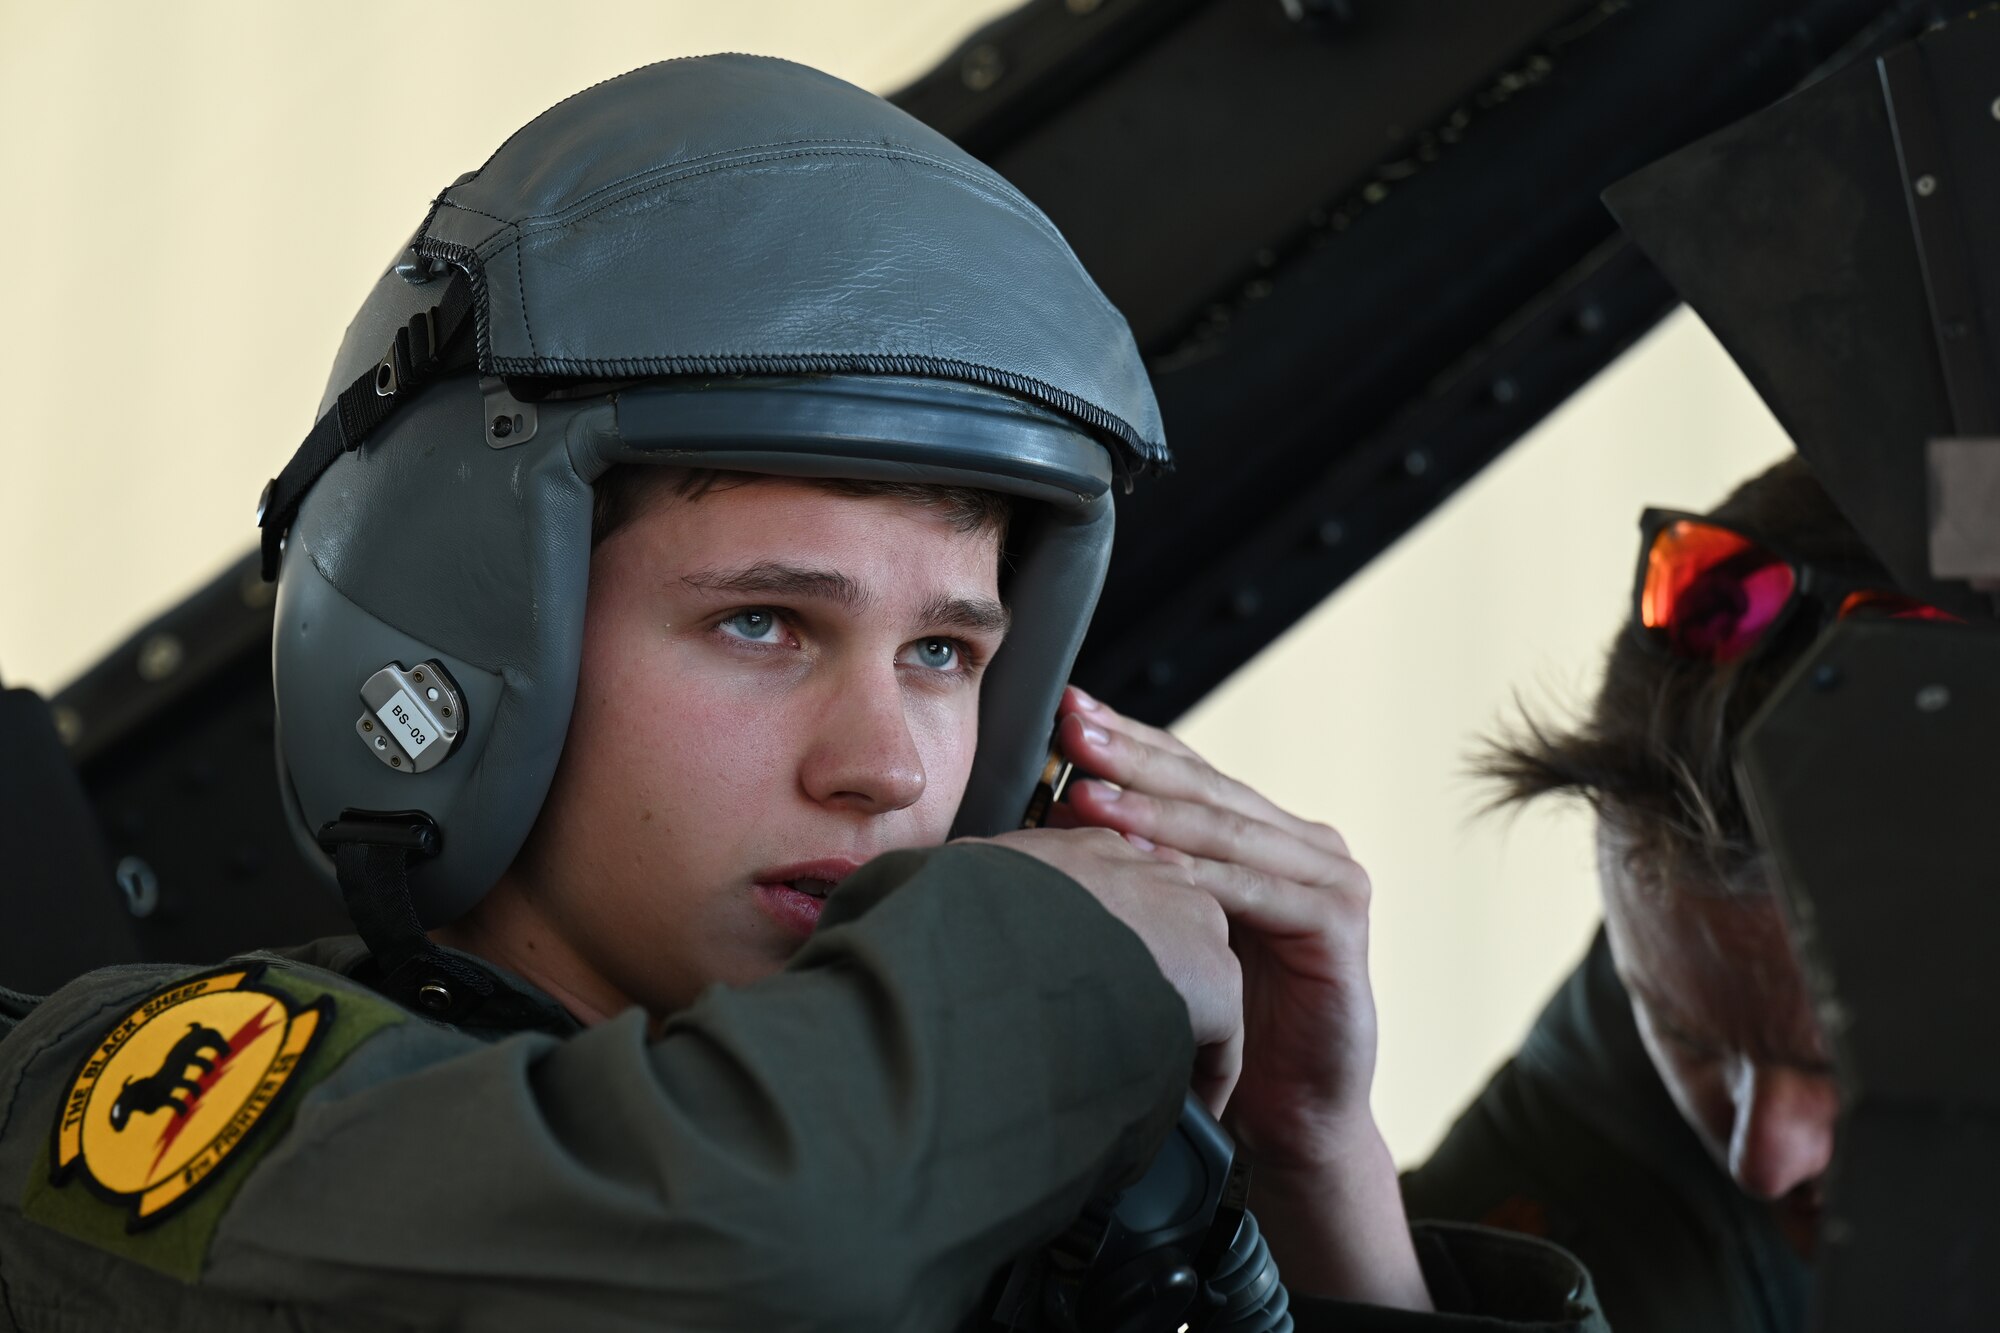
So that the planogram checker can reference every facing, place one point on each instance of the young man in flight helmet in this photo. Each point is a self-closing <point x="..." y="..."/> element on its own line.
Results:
<point x="676" y="590"/>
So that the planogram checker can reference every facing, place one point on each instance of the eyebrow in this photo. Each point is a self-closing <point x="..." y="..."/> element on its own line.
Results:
<point x="972" y="615"/>
<point x="1767" y="1044"/>
<point x="771" y="578"/>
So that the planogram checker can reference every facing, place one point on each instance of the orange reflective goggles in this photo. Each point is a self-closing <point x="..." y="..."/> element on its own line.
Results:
<point x="1711" y="592"/>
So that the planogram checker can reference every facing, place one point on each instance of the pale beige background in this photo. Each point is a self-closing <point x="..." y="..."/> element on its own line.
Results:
<point x="198" y="194"/>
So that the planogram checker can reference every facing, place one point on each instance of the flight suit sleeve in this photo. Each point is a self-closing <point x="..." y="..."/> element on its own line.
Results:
<point x="968" y="1049"/>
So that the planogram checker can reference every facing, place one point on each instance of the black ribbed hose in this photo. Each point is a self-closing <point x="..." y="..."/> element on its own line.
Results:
<point x="1246" y="1280"/>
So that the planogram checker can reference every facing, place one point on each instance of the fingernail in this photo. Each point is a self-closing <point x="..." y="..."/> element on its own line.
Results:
<point x="1084" y="701"/>
<point x="1141" y="841"/>
<point x="1095" y="735"/>
<point x="1106" y="791"/>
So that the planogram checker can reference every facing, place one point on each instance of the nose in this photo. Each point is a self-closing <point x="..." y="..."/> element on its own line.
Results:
<point x="863" y="757"/>
<point x="1783" y="1133"/>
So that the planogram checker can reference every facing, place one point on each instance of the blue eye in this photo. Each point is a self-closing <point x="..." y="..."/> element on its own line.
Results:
<point x="937" y="654"/>
<point x="757" y="625"/>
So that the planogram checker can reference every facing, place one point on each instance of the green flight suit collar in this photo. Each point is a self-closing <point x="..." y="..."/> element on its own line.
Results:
<point x="516" y="1005"/>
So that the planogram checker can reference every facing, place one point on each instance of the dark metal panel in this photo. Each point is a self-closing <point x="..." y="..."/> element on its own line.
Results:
<point x="57" y="896"/>
<point x="1026" y="66"/>
<point x="1942" y="100"/>
<point x="1190" y="167"/>
<point x="171" y="735"/>
<point x="1870" y="777"/>
<point x="1232" y="600"/>
<point x="1397" y="289"/>
<point x="194" y="801"/>
<point x="1826" y="311"/>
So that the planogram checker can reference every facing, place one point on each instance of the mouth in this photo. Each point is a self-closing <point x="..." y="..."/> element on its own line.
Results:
<point x="793" y="895"/>
<point x="813" y="878"/>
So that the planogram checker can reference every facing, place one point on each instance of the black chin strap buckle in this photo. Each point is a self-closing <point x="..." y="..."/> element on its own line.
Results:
<point x="372" y="853"/>
<point x="410" y="831"/>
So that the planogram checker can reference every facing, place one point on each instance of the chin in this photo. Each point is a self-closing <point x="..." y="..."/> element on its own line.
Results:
<point x="1799" y="1219"/>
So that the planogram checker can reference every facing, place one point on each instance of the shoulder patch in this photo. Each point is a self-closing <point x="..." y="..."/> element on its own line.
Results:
<point x="177" y="1086"/>
<point x="169" y="1108"/>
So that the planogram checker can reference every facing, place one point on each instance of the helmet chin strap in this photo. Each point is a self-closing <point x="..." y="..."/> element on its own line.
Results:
<point x="372" y="853"/>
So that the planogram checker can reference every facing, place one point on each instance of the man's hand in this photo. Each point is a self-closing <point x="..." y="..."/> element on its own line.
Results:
<point x="1325" y="1187"/>
<point x="1183" y="927"/>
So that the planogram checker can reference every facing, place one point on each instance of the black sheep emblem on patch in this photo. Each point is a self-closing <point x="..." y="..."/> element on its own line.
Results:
<point x="169" y="1086"/>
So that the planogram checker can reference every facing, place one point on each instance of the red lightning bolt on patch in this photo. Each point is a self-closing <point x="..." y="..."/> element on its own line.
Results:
<point x="246" y="1034"/>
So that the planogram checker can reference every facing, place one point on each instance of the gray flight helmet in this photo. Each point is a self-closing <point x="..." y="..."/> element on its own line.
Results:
<point x="729" y="262"/>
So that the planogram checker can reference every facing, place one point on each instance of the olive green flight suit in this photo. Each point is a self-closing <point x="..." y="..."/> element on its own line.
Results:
<point x="967" y="1051"/>
<point x="1577" y="1140"/>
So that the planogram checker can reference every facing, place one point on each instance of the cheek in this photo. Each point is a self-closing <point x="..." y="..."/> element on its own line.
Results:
<point x="945" y="730"/>
<point x="660" y="739"/>
<point x="1702" y="1086"/>
<point x="1698" y="1084"/>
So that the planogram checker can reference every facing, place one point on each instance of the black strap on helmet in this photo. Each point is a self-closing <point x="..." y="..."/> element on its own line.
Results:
<point x="422" y="350"/>
<point x="372" y="851"/>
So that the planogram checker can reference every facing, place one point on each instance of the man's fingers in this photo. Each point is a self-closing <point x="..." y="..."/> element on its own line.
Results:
<point x="1279" y="909"/>
<point x="1100" y="748"/>
<point x="1105" y="719"/>
<point x="1103" y="715"/>
<point x="1134" y="762"/>
<point x="1064" y="815"/>
<point x="1212" y="832"/>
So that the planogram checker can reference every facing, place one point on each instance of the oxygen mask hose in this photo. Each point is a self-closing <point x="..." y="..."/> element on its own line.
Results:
<point x="1246" y="1287"/>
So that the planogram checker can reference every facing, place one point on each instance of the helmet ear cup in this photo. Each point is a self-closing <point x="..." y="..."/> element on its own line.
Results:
<point x="429" y="545"/>
<point x="327" y="639"/>
<point x="1060" y="555"/>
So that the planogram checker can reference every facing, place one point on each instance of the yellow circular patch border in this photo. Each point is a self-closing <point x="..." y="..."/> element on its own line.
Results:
<point x="177" y="1086"/>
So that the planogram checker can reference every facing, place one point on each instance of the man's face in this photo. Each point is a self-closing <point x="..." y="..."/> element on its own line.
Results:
<point x="1723" y="1011"/>
<point x="778" y="683"/>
